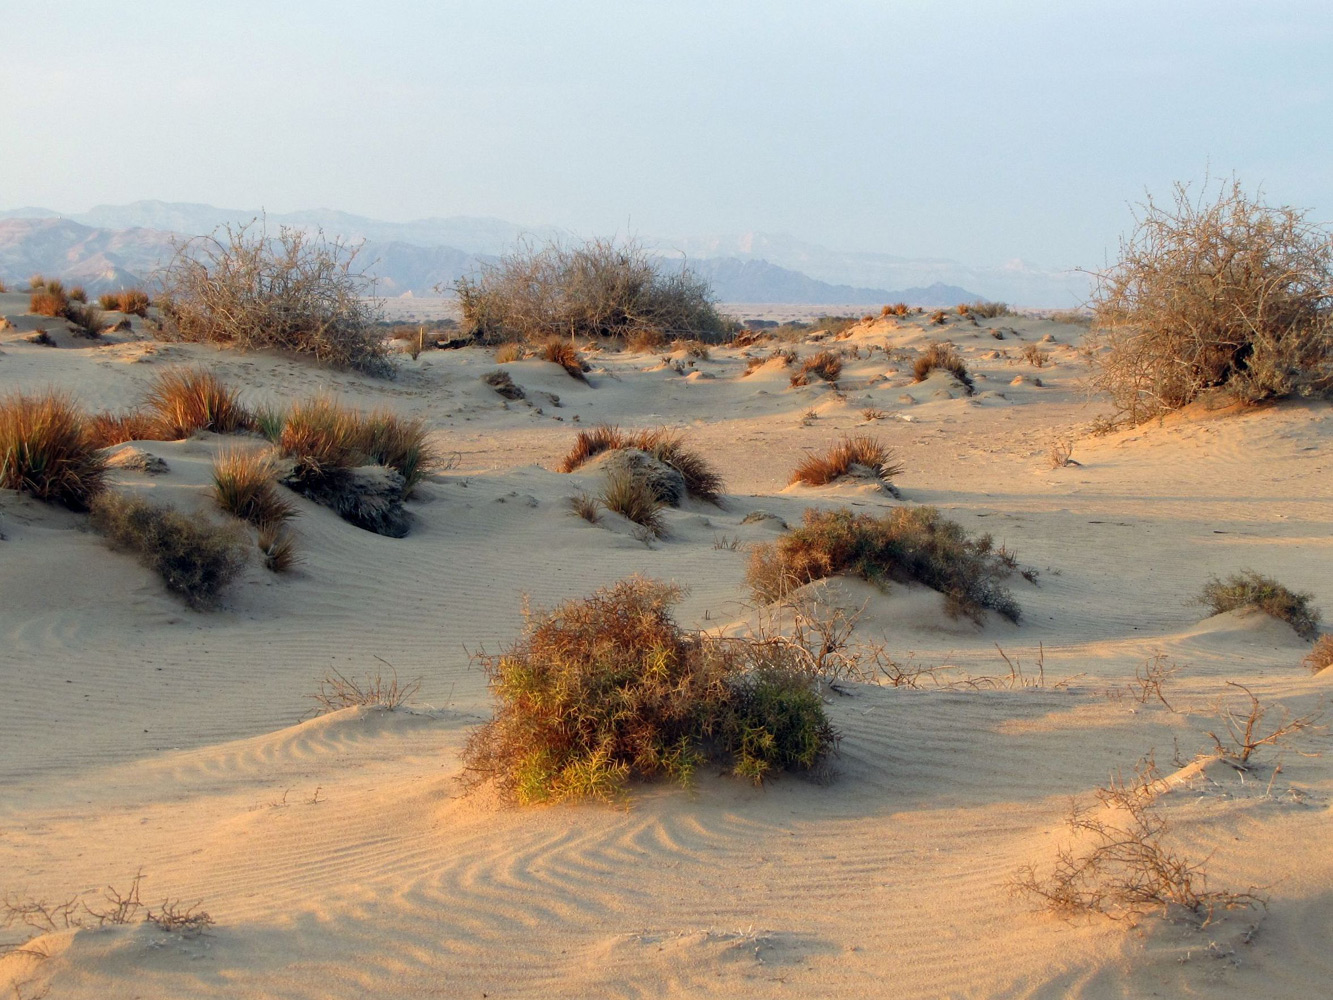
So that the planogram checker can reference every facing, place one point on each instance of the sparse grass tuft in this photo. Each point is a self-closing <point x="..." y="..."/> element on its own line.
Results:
<point x="109" y="429"/>
<point x="860" y="449"/>
<point x="506" y="353"/>
<point x="1249" y="589"/>
<point x="702" y="481"/>
<point x="633" y="497"/>
<point x="244" y="486"/>
<point x="591" y="443"/>
<point x="337" y="691"/>
<point x="47" y="449"/>
<point x="586" y="506"/>
<point x="945" y="358"/>
<point x="323" y="436"/>
<point x="399" y="443"/>
<point x="277" y="549"/>
<point x="1321" y="656"/>
<point x="566" y="355"/>
<point x="825" y="365"/>
<point x="989" y="310"/>
<point x="909" y="544"/>
<point x="187" y="400"/>
<point x="503" y="383"/>
<point x="48" y="303"/>
<point x="601" y="690"/>
<point x="77" y="294"/>
<point x="196" y="558"/>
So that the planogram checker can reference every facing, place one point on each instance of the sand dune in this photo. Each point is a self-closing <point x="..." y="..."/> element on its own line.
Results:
<point x="339" y="856"/>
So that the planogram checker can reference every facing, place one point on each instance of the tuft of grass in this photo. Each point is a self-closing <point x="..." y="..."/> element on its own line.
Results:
<point x="645" y="339"/>
<point x="196" y="558"/>
<point x="132" y="302"/>
<point x="945" y="358"/>
<point x="244" y="486"/>
<point x="49" y="303"/>
<point x="337" y="691"/>
<point x="702" y="481"/>
<point x="859" y="449"/>
<point x="633" y="497"/>
<point x="1248" y="589"/>
<point x="88" y="320"/>
<point x="909" y="544"/>
<point x="988" y="310"/>
<point x="1321" y="656"/>
<point x="269" y="421"/>
<point x="607" y="688"/>
<point x="324" y="437"/>
<point x="938" y="317"/>
<point x="108" y="429"/>
<point x="873" y="413"/>
<point x="1035" y="356"/>
<point x="48" y="450"/>
<point x="187" y="400"/>
<point x="277" y="549"/>
<point x="503" y="383"/>
<point x="36" y="283"/>
<point x="77" y="294"/>
<point x="586" y="506"/>
<point x="825" y="365"/>
<point x="400" y="444"/>
<point x="505" y="353"/>
<point x="591" y="443"/>
<point x="566" y="355"/>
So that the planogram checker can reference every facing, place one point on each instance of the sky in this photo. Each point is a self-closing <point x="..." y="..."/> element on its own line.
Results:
<point x="981" y="132"/>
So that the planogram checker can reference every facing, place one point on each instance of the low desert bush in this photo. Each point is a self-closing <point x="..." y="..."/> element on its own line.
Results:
<point x="78" y="294"/>
<point x="293" y="293"/>
<point x="825" y="365"/>
<point x="853" y="450"/>
<point x="1035" y="356"/>
<point x="277" y="549"/>
<point x="702" y="481"/>
<point x="88" y="320"/>
<point x="184" y="401"/>
<point x="938" y="317"/>
<point x="1070" y="317"/>
<point x="108" y="429"/>
<point x="645" y="340"/>
<point x="633" y="497"/>
<point x="36" y="283"/>
<point x="47" y="449"/>
<point x="244" y="485"/>
<point x="48" y="303"/>
<point x="506" y="353"/>
<point x="400" y="444"/>
<point x="1321" y="656"/>
<point x="1248" y="589"/>
<point x="942" y="356"/>
<point x="566" y="355"/>
<point x="324" y="437"/>
<point x="132" y="301"/>
<point x="909" y="544"/>
<point x="601" y="690"/>
<point x="196" y="558"/>
<point x="989" y="310"/>
<point x="503" y="383"/>
<point x="598" y="289"/>
<point x="1232" y="296"/>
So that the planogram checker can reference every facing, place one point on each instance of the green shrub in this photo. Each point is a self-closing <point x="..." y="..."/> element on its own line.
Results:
<point x="908" y="544"/>
<point x="47" y="449"/>
<point x="196" y="558"/>
<point x="608" y="688"/>
<point x="1248" y="589"/>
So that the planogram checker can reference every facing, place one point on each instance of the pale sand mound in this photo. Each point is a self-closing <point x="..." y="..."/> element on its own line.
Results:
<point x="339" y="858"/>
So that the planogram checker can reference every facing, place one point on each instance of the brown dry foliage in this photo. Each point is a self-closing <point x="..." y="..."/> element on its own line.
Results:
<point x="702" y="481"/>
<point x="944" y="357"/>
<point x="632" y="497"/>
<point x="186" y="400"/>
<point x="567" y="356"/>
<point x="825" y="365"/>
<point x="47" y="303"/>
<point x="245" y="486"/>
<point x="852" y="450"/>
<point x="1321" y="656"/>
<point x="47" y="449"/>
<point x="108" y="429"/>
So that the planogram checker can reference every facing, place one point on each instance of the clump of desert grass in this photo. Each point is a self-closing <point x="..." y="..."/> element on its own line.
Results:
<point x="567" y="356"/>
<point x="398" y="443"/>
<point x="87" y="320"/>
<point x="185" y="401"/>
<point x="131" y="301"/>
<point x="825" y="365"/>
<point x="988" y="310"/>
<point x="852" y="451"/>
<point x="325" y="438"/>
<point x="49" y="299"/>
<point x="608" y="688"/>
<point x="245" y="486"/>
<point x="909" y="544"/>
<point x="943" y="357"/>
<point x="1321" y="656"/>
<point x="48" y="450"/>
<point x="1248" y="589"/>
<point x="702" y="481"/>
<point x="196" y="558"/>
<point x="109" y="429"/>
<point x="277" y="549"/>
<point x="633" y="497"/>
<point x="503" y="383"/>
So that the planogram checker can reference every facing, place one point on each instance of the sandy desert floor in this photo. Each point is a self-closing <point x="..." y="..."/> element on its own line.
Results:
<point x="339" y="856"/>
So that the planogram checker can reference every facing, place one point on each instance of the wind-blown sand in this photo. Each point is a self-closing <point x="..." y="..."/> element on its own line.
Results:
<point x="339" y="856"/>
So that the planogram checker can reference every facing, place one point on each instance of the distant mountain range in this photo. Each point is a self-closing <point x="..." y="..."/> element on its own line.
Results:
<point x="112" y="246"/>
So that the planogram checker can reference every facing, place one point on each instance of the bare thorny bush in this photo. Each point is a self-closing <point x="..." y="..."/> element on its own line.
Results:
<point x="294" y="292"/>
<point x="337" y="691"/>
<point x="1234" y="296"/>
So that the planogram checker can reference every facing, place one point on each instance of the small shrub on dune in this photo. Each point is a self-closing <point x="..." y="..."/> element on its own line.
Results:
<point x="962" y="309"/>
<point x="825" y="365"/>
<point x="244" y="486"/>
<point x="988" y="310"/>
<point x="854" y="450"/>
<point x="277" y="549"/>
<point x="269" y="421"/>
<point x="36" y="283"/>
<point x="47" y="449"/>
<point x="632" y="497"/>
<point x="399" y="443"/>
<point x="78" y="294"/>
<point x="601" y="690"/>
<point x="591" y="443"/>
<point x="49" y="303"/>
<point x="1321" y="656"/>
<point x="943" y="357"/>
<point x="506" y="353"/>
<point x="132" y="302"/>
<point x="187" y="400"/>
<point x="1248" y="589"/>
<point x="196" y="558"/>
<point x="109" y="429"/>
<point x="643" y="340"/>
<point x="503" y="383"/>
<point x="702" y="481"/>
<point x="567" y="356"/>
<point x="323" y="436"/>
<point x="88" y="320"/>
<point x="938" y="317"/>
<point x="909" y="544"/>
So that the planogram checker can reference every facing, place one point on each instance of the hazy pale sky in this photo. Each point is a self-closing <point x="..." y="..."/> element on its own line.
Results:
<point x="979" y="131"/>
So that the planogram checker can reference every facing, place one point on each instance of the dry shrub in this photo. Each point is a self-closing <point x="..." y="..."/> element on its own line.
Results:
<point x="78" y="294"/>
<point x="196" y="558"/>
<point x="645" y="340"/>
<point x="187" y="400"/>
<point x="962" y="309"/>
<point x="132" y="302"/>
<point x="825" y="365"/>
<point x="325" y="438"/>
<point x="1321" y="656"/>
<point x="601" y="690"/>
<point x="567" y="356"/>
<point x="853" y="450"/>
<point x="702" y="481"/>
<point x="938" y="317"/>
<point x="277" y="549"/>
<point x="586" y="506"/>
<point x="87" y="320"/>
<point x="400" y="444"/>
<point x="1248" y="589"/>
<point x="988" y="310"/>
<point x="1070" y="317"/>
<point x="909" y="544"/>
<point x="109" y="429"/>
<point x="337" y="691"/>
<point x="942" y="356"/>
<point x="506" y="353"/>
<point x="1035" y="356"/>
<point x="501" y="381"/>
<point x="1247" y="732"/>
<point x="634" y="498"/>
<point x="1234" y="296"/>
<point x="873" y="413"/>
<point x="47" y="449"/>
<point x="47" y="303"/>
<point x="36" y="283"/>
<point x="598" y="289"/>
<point x="244" y="485"/>
<point x="293" y="293"/>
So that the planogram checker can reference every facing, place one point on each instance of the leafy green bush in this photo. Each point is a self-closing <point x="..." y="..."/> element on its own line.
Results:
<point x="608" y="688"/>
<point x="1248" y="589"/>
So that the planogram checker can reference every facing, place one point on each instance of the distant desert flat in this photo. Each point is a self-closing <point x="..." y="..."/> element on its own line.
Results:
<point x="339" y="856"/>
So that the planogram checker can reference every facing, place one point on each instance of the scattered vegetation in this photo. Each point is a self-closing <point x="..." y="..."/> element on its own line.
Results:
<point x="48" y="449"/>
<point x="184" y="401"/>
<point x="988" y="310"/>
<point x="825" y="365"/>
<point x="1035" y="356"/>
<point x="633" y="497"/>
<point x="609" y="688"/>
<point x="1231" y="296"/>
<point x="337" y="691"/>
<point x="501" y="381"/>
<point x="115" y="908"/>
<point x="942" y="356"/>
<point x="131" y="301"/>
<point x="244" y="486"/>
<point x="1248" y="589"/>
<point x="873" y="413"/>
<point x="277" y="549"/>
<point x="854" y="450"/>
<point x="599" y="289"/>
<point x="567" y="356"/>
<point x="1247" y="731"/>
<point x="702" y="481"/>
<point x="196" y="558"/>
<point x="1321" y="656"/>
<point x="293" y="293"/>
<point x="909" y="544"/>
<point x="326" y="438"/>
